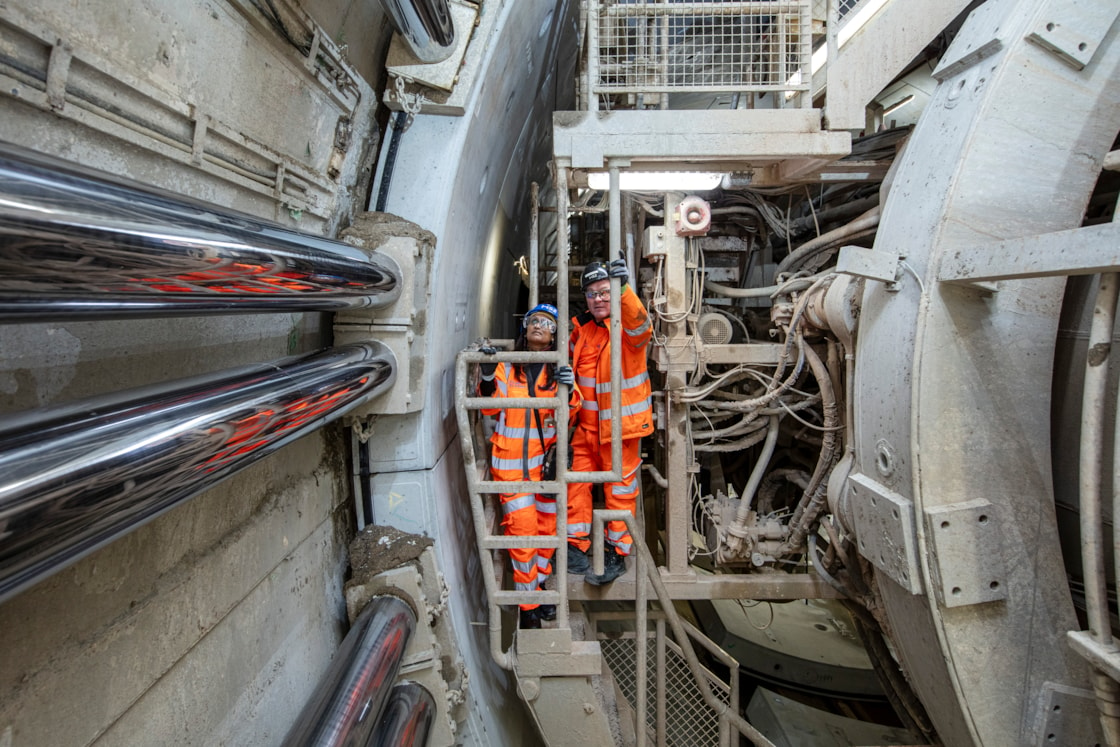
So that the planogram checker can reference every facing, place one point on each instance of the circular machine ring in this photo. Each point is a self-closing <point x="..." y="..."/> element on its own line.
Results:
<point x="955" y="378"/>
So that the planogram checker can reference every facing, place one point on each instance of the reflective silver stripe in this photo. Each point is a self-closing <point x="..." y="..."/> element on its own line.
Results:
<point x="497" y="463"/>
<point x="502" y="387"/>
<point x="630" y="383"/>
<point x="587" y="381"/>
<point x="526" y="567"/>
<point x="623" y="547"/>
<point x="590" y="404"/>
<point x="505" y="430"/>
<point x="528" y="500"/>
<point x="546" y="508"/>
<point x="543" y="563"/>
<point x="635" y="409"/>
<point x="638" y="330"/>
<point x="614" y="537"/>
<point x="578" y="530"/>
<point x="623" y="488"/>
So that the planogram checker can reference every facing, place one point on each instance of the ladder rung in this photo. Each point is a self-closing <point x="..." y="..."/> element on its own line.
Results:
<point x="506" y="542"/>
<point x="526" y="597"/>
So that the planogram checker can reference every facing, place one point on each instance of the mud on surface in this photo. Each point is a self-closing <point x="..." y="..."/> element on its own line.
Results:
<point x="381" y="548"/>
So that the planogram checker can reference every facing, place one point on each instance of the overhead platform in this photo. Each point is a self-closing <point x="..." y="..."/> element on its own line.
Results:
<point x="741" y="140"/>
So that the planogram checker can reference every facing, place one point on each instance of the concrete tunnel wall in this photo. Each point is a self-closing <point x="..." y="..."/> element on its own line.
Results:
<point x="213" y="623"/>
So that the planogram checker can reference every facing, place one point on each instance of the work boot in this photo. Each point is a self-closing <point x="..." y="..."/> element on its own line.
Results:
<point x="577" y="560"/>
<point x="614" y="565"/>
<point x="529" y="619"/>
<point x="547" y="612"/>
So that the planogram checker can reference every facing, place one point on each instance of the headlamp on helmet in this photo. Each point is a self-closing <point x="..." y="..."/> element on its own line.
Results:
<point x="593" y="273"/>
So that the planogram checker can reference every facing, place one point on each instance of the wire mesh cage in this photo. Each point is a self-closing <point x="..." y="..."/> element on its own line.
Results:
<point x="658" y="47"/>
<point x="689" y="722"/>
<point x="845" y="7"/>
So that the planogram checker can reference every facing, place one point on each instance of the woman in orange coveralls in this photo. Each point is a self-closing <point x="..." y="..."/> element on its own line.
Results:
<point x="519" y="442"/>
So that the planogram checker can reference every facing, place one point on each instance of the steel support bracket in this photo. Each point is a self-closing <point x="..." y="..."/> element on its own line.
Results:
<point x="1073" y="29"/>
<point x="1102" y="657"/>
<point x="967" y="564"/>
<point x="570" y="710"/>
<point x="884" y="528"/>
<point x="401" y="324"/>
<point x="584" y="660"/>
<point x="1067" y="715"/>
<point x="872" y="264"/>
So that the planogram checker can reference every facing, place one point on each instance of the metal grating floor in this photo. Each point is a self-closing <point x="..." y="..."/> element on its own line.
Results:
<point x="689" y="721"/>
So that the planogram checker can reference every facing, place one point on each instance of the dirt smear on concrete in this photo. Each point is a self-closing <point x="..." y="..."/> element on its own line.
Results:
<point x="377" y="549"/>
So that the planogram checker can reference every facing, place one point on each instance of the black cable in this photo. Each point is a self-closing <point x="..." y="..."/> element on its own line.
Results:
<point x="905" y="703"/>
<point x="277" y="23"/>
<point x="390" y="161"/>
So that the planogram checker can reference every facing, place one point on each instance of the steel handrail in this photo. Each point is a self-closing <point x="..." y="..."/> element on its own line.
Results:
<point x="1097" y="645"/>
<point x="485" y="540"/>
<point x="646" y="570"/>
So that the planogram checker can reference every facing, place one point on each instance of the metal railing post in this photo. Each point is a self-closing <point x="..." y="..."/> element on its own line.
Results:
<point x="646" y="568"/>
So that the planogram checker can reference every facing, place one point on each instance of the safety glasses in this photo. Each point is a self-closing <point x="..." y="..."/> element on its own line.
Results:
<point x="543" y="322"/>
<point x="595" y="295"/>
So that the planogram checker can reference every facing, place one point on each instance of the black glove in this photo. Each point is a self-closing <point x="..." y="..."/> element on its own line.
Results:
<point x="616" y="268"/>
<point x="488" y="369"/>
<point x="565" y="375"/>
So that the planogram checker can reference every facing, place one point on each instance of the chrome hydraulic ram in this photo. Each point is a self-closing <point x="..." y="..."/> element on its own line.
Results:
<point x="406" y="719"/>
<point x="75" y="477"/>
<point x="425" y="26"/>
<point x="347" y="704"/>
<point x="76" y="244"/>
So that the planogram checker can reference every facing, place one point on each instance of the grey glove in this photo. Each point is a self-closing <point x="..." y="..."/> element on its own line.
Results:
<point x="565" y="375"/>
<point x="488" y="369"/>
<point x="616" y="268"/>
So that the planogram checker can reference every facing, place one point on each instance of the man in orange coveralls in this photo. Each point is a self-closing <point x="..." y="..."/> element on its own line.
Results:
<point x="591" y="441"/>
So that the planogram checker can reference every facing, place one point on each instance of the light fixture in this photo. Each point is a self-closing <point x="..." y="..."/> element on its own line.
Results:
<point x="898" y="104"/>
<point x="853" y="23"/>
<point x="656" y="181"/>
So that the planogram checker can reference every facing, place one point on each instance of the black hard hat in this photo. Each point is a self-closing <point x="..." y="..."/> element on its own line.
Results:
<point x="593" y="272"/>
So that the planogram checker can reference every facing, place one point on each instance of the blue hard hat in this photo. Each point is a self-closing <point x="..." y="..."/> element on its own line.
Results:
<point x="545" y="308"/>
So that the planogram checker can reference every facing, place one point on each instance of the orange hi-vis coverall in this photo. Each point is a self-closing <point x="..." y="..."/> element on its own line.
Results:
<point x="591" y="442"/>
<point x="517" y="453"/>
